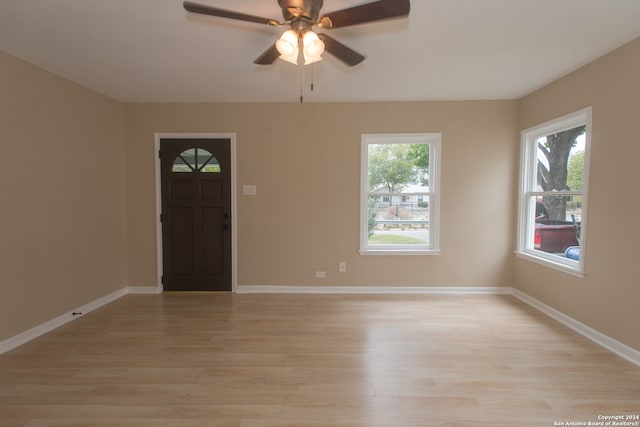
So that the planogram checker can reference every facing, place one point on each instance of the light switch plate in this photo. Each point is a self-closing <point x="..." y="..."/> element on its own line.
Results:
<point x="249" y="190"/>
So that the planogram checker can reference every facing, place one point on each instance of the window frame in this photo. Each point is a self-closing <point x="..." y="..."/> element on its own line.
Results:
<point x="433" y="139"/>
<point x="528" y="190"/>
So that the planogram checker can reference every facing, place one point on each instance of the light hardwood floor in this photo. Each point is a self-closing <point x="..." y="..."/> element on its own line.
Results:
<point x="203" y="359"/>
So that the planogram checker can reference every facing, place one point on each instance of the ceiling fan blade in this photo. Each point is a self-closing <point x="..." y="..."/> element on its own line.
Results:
<point x="368" y="12"/>
<point x="223" y="13"/>
<point x="340" y="51"/>
<point x="268" y="56"/>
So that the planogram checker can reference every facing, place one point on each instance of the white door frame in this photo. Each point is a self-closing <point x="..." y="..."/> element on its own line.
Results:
<point x="234" y="214"/>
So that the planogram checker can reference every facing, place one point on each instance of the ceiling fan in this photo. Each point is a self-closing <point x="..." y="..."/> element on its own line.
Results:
<point x="301" y="16"/>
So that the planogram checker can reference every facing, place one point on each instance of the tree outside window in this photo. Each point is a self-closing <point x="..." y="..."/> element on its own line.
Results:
<point x="556" y="152"/>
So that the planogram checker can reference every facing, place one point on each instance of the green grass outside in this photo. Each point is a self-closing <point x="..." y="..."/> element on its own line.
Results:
<point x="394" y="239"/>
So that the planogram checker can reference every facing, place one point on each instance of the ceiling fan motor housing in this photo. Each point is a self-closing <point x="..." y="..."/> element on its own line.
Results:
<point x="293" y="10"/>
<point x="303" y="15"/>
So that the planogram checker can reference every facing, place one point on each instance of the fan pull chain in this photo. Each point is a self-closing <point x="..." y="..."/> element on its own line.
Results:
<point x="301" y="98"/>
<point x="312" y="67"/>
<point x="301" y="78"/>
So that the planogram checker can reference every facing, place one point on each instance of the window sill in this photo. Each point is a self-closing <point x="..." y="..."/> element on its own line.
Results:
<point x="399" y="251"/>
<point x="556" y="265"/>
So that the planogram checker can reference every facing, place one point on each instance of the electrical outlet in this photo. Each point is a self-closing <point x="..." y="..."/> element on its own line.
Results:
<point x="342" y="267"/>
<point x="321" y="275"/>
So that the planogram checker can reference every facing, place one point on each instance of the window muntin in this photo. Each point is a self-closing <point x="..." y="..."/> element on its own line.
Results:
<point x="196" y="159"/>
<point x="399" y="197"/>
<point x="554" y="175"/>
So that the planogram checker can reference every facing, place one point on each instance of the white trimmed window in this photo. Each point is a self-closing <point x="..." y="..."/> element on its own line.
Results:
<point x="553" y="192"/>
<point x="399" y="198"/>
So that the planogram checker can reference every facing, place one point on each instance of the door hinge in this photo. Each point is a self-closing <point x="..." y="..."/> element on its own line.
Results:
<point x="159" y="154"/>
<point x="162" y="280"/>
<point x="160" y="217"/>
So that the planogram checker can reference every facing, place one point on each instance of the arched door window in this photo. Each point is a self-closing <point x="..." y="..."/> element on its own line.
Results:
<point x="196" y="159"/>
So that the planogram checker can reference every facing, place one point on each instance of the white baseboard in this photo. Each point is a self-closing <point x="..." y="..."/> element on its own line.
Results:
<point x="413" y="290"/>
<point x="43" y="328"/>
<point x="28" y="335"/>
<point x="605" y="341"/>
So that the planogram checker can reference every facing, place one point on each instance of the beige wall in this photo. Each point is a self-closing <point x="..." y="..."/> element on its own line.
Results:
<point x="305" y="161"/>
<point x="70" y="233"/>
<point x="62" y="222"/>
<point x="607" y="298"/>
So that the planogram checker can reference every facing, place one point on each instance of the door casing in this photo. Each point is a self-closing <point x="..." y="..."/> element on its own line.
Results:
<point x="234" y="229"/>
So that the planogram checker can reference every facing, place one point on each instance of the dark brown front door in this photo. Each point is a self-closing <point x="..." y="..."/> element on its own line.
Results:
<point x="196" y="214"/>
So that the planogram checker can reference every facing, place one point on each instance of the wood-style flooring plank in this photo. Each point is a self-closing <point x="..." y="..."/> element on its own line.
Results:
<point x="219" y="359"/>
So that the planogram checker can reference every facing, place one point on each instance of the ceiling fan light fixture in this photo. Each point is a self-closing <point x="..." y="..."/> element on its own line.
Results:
<point x="293" y="58"/>
<point x="313" y="47"/>
<point x="287" y="44"/>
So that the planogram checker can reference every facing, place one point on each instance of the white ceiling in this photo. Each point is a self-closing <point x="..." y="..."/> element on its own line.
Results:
<point x="155" y="51"/>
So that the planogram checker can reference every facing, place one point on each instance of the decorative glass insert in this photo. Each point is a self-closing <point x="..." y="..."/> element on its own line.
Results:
<point x="196" y="159"/>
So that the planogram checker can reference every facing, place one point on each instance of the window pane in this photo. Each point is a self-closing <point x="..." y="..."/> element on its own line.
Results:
<point x="575" y="166"/>
<point x="179" y="165"/>
<point x="399" y="220"/>
<point x="570" y="206"/>
<point x="560" y="160"/>
<point x="555" y="236"/>
<point x="189" y="156"/>
<point x="395" y="168"/>
<point x="202" y="157"/>
<point x="212" y="166"/>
